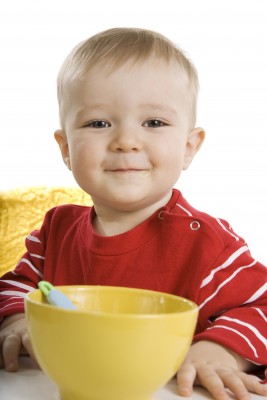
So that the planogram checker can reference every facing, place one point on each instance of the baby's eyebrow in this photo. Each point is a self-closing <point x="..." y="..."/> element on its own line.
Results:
<point x="97" y="106"/>
<point x="153" y="108"/>
<point x="82" y="112"/>
<point x="158" y="107"/>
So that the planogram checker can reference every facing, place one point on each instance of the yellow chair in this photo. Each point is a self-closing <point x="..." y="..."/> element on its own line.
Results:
<point x="22" y="210"/>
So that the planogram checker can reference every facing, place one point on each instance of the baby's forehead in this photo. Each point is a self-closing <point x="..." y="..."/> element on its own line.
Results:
<point x="147" y="82"/>
<point x="130" y="67"/>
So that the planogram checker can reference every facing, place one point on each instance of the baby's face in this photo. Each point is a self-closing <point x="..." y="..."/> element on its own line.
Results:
<point x="127" y="134"/>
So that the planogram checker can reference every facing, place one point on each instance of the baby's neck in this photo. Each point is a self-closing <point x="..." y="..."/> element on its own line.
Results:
<point x="118" y="224"/>
<point x="109" y="222"/>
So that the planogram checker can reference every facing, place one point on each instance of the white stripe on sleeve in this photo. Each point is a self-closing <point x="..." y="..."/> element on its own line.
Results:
<point x="34" y="239"/>
<point x="257" y="294"/>
<point x="12" y="293"/>
<point x="37" y="256"/>
<point x="249" y="326"/>
<point x="184" y="209"/>
<point x="225" y="282"/>
<point x="18" y="284"/>
<point x="261" y="313"/>
<point x="24" y="260"/>
<point x="238" y="333"/>
<point x="226" y="264"/>
<point x="227" y="230"/>
<point x="14" y="303"/>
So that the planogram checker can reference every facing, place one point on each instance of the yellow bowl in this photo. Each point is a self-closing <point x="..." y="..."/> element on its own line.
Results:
<point x="121" y="343"/>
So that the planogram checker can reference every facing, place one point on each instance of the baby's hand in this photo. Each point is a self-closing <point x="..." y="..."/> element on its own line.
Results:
<point x="14" y="340"/>
<point x="214" y="367"/>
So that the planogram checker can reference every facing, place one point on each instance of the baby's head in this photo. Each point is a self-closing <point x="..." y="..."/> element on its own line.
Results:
<point x="113" y="48"/>
<point x="127" y="100"/>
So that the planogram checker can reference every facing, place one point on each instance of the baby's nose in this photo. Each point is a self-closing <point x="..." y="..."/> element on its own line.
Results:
<point x="126" y="140"/>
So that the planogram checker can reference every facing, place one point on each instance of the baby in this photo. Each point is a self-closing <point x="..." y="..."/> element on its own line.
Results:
<point x="127" y="102"/>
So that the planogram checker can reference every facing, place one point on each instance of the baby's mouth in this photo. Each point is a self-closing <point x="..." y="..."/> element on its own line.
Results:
<point x="130" y="172"/>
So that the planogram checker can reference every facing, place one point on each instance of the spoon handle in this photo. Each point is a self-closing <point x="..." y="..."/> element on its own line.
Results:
<point x="55" y="297"/>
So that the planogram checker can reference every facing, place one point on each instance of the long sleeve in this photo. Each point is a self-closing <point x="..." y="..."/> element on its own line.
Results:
<point x="14" y="285"/>
<point x="233" y="304"/>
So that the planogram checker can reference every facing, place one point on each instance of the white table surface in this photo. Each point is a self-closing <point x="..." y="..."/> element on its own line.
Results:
<point x="29" y="383"/>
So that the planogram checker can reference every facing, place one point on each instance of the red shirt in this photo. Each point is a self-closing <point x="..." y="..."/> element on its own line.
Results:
<point x="177" y="250"/>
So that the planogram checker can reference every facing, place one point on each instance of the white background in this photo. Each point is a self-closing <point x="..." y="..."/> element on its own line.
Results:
<point x="227" y="41"/>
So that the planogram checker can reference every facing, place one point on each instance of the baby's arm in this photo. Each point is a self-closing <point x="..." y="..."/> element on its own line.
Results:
<point x="217" y="368"/>
<point x="14" y="285"/>
<point x="14" y="340"/>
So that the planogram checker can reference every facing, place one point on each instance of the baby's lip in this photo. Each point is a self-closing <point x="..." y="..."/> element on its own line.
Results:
<point x="127" y="169"/>
<point x="129" y="172"/>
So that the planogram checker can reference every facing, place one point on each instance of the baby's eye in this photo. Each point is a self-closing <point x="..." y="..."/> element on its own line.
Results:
<point x="154" y="123"/>
<point x="98" y="124"/>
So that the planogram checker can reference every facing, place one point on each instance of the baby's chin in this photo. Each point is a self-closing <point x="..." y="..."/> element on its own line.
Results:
<point x="132" y="200"/>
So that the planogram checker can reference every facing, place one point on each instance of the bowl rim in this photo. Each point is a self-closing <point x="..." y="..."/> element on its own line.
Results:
<point x="193" y="307"/>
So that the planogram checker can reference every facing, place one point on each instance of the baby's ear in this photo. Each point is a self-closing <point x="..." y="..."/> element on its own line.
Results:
<point x="62" y="142"/>
<point x="194" y="141"/>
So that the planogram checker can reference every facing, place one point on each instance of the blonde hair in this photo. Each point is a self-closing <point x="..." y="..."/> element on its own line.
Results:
<point x="113" y="47"/>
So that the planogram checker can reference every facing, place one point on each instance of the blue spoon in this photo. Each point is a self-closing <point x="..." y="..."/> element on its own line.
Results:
<point x="55" y="297"/>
